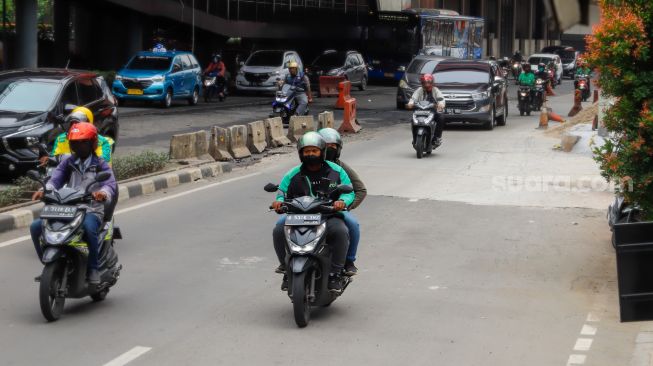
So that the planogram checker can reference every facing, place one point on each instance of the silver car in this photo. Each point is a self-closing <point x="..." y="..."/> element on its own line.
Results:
<point x="262" y="69"/>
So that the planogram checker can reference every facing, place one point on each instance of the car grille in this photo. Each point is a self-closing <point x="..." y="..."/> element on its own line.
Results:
<point x="256" y="78"/>
<point x="136" y="84"/>
<point x="464" y="105"/>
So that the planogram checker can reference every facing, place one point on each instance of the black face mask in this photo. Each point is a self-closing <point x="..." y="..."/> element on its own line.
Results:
<point x="312" y="160"/>
<point x="331" y="154"/>
<point x="82" y="149"/>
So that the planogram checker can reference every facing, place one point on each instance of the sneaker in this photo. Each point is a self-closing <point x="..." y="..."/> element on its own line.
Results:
<point x="335" y="282"/>
<point x="284" y="283"/>
<point x="93" y="277"/>
<point x="350" y="269"/>
<point x="280" y="269"/>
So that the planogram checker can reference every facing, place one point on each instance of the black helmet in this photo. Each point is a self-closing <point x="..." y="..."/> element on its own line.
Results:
<point x="332" y="136"/>
<point x="311" y="139"/>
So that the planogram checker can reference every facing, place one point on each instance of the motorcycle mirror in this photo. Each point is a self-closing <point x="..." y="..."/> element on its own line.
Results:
<point x="271" y="188"/>
<point x="102" y="176"/>
<point x="345" y="188"/>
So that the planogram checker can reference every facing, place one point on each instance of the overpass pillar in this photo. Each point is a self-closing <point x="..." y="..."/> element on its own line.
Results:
<point x="61" y="32"/>
<point x="26" y="33"/>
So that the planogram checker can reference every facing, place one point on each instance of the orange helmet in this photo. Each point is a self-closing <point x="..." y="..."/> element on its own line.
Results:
<point x="83" y="131"/>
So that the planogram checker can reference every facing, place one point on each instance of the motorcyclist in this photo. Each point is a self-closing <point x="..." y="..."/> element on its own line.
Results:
<point x="429" y="92"/>
<point x="62" y="146"/>
<point x="527" y="78"/>
<point x="302" y="86"/>
<point x="333" y="149"/>
<point x="517" y="57"/>
<point x="303" y="180"/>
<point x="582" y="69"/>
<point x="216" y="68"/>
<point x="543" y="73"/>
<point x="83" y="165"/>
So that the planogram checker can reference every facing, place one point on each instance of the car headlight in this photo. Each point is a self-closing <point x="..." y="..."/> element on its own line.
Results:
<point x="483" y="95"/>
<point x="309" y="247"/>
<point x="276" y="73"/>
<point x="118" y="77"/>
<point x="403" y="84"/>
<point x="158" y="78"/>
<point x="333" y="72"/>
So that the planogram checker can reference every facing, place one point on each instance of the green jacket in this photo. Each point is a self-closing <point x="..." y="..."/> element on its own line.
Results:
<point x="527" y="78"/>
<point x="583" y="71"/>
<point x="295" y="185"/>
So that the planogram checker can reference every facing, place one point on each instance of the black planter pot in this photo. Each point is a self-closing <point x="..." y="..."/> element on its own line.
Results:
<point x="634" y="246"/>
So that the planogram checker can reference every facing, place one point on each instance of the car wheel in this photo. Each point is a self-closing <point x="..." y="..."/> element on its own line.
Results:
<point x="489" y="124"/>
<point x="363" y="85"/>
<point x="167" y="100"/>
<point x="195" y="97"/>
<point x="504" y="118"/>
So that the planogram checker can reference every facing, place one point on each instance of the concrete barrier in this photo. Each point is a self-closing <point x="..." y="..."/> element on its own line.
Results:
<point x="298" y="126"/>
<point x="256" y="137"/>
<point x="219" y="144"/>
<point x="189" y="146"/>
<point x="275" y="136"/>
<point x="325" y="119"/>
<point x="238" y="142"/>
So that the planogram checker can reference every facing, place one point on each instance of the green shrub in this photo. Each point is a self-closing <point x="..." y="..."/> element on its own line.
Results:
<point x="134" y="165"/>
<point x="20" y="192"/>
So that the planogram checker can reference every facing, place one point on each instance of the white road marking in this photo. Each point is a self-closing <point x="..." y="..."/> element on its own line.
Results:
<point x="128" y="356"/>
<point x="592" y="317"/>
<point x="576" y="360"/>
<point x="588" y="330"/>
<point x="583" y="344"/>
<point x="413" y="200"/>
<point x="150" y="203"/>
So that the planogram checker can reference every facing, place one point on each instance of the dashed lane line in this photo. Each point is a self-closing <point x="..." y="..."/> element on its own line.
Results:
<point x="128" y="356"/>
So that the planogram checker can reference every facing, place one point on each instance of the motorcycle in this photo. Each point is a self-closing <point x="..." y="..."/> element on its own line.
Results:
<point x="524" y="99"/>
<point x="285" y="103"/>
<point x="214" y="85"/>
<point x="65" y="255"/>
<point x="308" y="261"/>
<point x="619" y="212"/>
<point x="552" y="78"/>
<point x="516" y="70"/>
<point x="423" y="127"/>
<point x="538" y="94"/>
<point x="582" y="84"/>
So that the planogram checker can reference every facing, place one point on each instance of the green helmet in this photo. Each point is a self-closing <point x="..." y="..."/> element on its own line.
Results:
<point x="311" y="139"/>
<point x="332" y="136"/>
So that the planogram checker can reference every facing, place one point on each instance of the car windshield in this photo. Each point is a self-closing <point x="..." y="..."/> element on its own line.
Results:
<point x="462" y="77"/>
<point x="537" y="60"/>
<point x="150" y="63"/>
<point x="269" y="58"/>
<point x="330" y="60"/>
<point x="567" y="56"/>
<point x="27" y="96"/>
<point x="421" y="66"/>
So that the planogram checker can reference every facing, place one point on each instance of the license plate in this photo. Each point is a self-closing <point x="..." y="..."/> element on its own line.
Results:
<point x="254" y="84"/>
<point x="303" y="220"/>
<point x="134" y="92"/>
<point x="58" y="212"/>
<point x="389" y="74"/>
<point x="452" y="111"/>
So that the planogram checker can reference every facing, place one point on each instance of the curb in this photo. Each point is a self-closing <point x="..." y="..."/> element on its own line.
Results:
<point x="23" y="217"/>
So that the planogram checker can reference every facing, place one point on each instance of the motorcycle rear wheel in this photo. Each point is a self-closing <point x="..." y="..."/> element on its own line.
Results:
<point x="49" y="288"/>
<point x="300" y="303"/>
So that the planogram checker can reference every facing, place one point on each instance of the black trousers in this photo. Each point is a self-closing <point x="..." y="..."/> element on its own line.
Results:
<point x="337" y="237"/>
<point x="439" y="125"/>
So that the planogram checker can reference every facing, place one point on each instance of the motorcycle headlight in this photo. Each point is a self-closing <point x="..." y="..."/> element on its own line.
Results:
<point x="428" y="119"/>
<point x="307" y="248"/>
<point x="57" y="237"/>
<point x="158" y="79"/>
<point x="483" y="95"/>
<point x="403" y="84"/>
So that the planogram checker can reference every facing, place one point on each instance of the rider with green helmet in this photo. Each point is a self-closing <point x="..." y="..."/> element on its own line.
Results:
<point x="303" y="180"/>
<point x="333" y="150"/>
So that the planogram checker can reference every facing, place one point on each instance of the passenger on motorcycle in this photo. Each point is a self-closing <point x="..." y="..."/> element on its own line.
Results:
<point x="429" y="92"/>
<point x="302" y="86"/>
<point x="216" y="68"/>
<point x="83" y="165"/>
<point x="302" y="181"/>
<point x="62" y="146"/>
<point x="334" y="147"/>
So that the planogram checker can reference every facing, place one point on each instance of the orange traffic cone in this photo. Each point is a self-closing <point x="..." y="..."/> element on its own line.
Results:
<point x="577" y="105"/>
<point x="554" y="117"/>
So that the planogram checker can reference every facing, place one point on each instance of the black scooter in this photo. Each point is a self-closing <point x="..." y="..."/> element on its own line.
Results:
<point x="423" y="126"/>
<point x="308" y="261"/>
<point x="65" y="255"/>
<point x="285" y="103"/>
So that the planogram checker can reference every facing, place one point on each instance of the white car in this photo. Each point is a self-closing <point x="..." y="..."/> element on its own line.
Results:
<point x="262" y="69"/>
<point x="546" y="58"/>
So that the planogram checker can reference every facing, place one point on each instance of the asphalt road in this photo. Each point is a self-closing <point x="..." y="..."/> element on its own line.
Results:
<point x="454" y="271"/>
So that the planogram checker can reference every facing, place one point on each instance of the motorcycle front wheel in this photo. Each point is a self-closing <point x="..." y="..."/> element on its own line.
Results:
<point x="50" y="290"/>
<point x="419" y="146"/>
<point x="300" y="304"/>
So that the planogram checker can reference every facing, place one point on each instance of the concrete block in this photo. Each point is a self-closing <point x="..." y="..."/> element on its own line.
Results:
<point x="325" y="119"/>
<point x="238" y="142"/>
<point x="219" y="144"/>
<point x="147" y="186"/>
<point x="22" y="218"/>
<point x="123" y="193"/>
<point x="275" y="134"/>
<point x="256" y="137"/>
<point x="568" y="141"/>
<point x="172" y="180"/>
<point x="298" y="126"/>
<point x="191" y="145"/>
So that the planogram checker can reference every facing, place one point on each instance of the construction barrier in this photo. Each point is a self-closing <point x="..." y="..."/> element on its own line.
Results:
<point x="344" y="89"/>
<point x="349" y="121"/>
<point x="219" y="144"/>
<point x="324" y="120"/>
<point x="596" y="96"/>
<point x="238" y="142"/>
<point x="275" y="136"/>
<point x="189" y="146"/>
<point x="577" y="104"/>
<point x="298" y="126"/>
<point x="256" y="137"/>
<point x="329" y="85"/>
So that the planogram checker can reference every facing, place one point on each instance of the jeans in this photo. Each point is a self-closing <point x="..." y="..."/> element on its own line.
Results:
<point x="302" y="103"/>
<point x="91" y="227"/>
<point x="337" y="237"/>
<point x="354" y="233"/>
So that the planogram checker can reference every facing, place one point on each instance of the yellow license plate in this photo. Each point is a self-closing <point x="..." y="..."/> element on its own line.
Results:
<point x="134" y="92"/>
<point x="389" y="74"/>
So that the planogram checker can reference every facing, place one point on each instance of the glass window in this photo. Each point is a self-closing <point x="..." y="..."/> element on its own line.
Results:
<point x="193" y="61"/>
<point x="330" y="60"/>
<point x="69" y="95"/>
<point x="185" y="62"/>
<point x="266" y="58"/>
<point x="27" y="96"/>
<point x="177" y="66"/>
<point x="88" y="93"/>
<point x="462" y="77"/>
<point x="149" y="63"/>
<point x="419" y="66"/>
